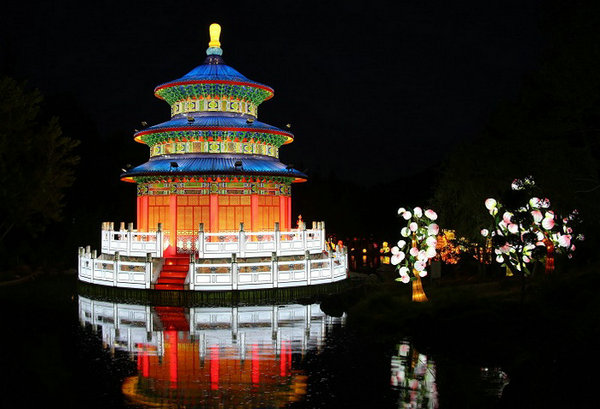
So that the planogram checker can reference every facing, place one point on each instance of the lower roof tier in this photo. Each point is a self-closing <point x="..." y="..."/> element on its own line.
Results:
<point x="213" y="164"/>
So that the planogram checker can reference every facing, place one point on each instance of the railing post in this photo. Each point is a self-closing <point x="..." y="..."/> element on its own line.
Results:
<point x="129" y="234"/>
<point x="159" y="241"/>
<point x="104" y="243"/>
<point x="345" y="254"/>
<point x="303" y="233"/>
<point x="79" y="261"/>
<point x="108" y="236"/>
<point x="192" y="272"/>
<point x="201" y="240"/>
<point x="307" y="266"/>
<point x="234" y="272"/>
<point x="92" y="261"/>
<point x="88" y="253"/>
<point x="116" y="268"/>
<point x="330" y="266"/>
<point x="277" y="239"/>
<point x="275" y="269"/>
<point x="234" y="324"/>
<point x="242" y="241"/>
<point x="275" y="325"/>
<point x="86" y="257"/>
<point x="148" y="276"/>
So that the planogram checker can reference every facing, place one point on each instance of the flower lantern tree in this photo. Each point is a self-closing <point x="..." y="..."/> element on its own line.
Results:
<point x="529" y="232"/>
<point x="418" y="247"/>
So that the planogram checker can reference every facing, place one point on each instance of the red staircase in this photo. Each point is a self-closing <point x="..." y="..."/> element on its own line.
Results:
<point x="173" y="273"/>
<point x="173" y="318"/>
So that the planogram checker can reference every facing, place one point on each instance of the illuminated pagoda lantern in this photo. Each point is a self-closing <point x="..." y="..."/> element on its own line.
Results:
<point x="213" y="189"/>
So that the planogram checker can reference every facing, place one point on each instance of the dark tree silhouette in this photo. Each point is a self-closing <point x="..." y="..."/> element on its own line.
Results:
<point x="36" y="163"/>
<point x="551" y="131"/>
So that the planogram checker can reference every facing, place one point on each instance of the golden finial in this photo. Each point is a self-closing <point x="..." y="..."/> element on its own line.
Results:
<point x="215" y="32"/>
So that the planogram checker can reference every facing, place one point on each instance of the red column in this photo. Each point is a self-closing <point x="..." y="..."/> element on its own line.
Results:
<point x="282" y="360"/>
<point x="171" y="344"/>
<point x="213" y="213"/>
<point x="143" y="363"/>
<point x="254" y="212"/>
<point x="142" y="213"/>
<point x="289" y="212"/>
<point x="214" y="367"/>
<point x="173" y="223"/>
<point x="139" y="216"/>
<point x="282" y="212"/>
<point x="255" y="365"/>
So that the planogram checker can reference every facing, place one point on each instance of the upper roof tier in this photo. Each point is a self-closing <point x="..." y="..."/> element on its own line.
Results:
<point x="214" y="86"/>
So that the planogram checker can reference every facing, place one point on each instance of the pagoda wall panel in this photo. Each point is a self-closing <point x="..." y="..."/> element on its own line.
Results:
<point x="259" y="205"/>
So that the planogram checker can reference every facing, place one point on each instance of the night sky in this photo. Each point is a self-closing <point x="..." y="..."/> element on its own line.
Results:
<point x="373" y="90"/>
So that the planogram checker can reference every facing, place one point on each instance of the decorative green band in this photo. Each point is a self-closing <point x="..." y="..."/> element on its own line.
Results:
<point x="214" y="147"/>
<point x="244" y="137"/>
<point x="266" y="187"/>
<point x="176" y="93"/>
<point x="214" y="105"/>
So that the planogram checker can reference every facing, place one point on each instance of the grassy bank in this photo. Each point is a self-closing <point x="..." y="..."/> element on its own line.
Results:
<point x="546" y="342"/>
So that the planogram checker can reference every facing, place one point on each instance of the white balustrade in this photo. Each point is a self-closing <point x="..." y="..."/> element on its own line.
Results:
<point x="114" y="271"/>
<point x="208" y="275"/>
<point x="115" y="268"/>
<point x="131" y="243"/>
<point x="278" y="272"/>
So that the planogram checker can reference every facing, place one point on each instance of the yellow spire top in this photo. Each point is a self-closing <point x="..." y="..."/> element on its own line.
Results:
<point x="215" y="32"/>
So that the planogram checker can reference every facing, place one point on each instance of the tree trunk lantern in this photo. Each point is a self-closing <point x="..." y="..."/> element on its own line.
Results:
<point x="413" y="255"/>
<point x="418" y="294"/>
<point x="549" y="256"/>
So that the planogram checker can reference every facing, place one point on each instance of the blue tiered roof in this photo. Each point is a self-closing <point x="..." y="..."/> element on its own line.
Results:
<point x="213" y="73"/>
<point x="213" y="69"/>
<point x="208" y="120"/>
<point x="211" y="164"/>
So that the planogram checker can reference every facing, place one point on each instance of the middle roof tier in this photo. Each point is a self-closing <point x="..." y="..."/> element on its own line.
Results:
<point x="205" y="126"/>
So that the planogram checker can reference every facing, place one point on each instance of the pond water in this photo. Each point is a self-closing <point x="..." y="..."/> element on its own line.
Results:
<point x="64" y="346"/>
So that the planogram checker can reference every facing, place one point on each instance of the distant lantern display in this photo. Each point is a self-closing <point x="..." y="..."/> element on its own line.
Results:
<point x="385" y="253"/>
<point x="448" y="249"/>
<point x="213" y="162"/>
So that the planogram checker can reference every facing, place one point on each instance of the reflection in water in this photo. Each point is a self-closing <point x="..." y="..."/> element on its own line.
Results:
<point x="414" y="376"/>
<point x="223" y="357"/>
<point x="495" y="379"/>
<point x="364" y="262"/>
